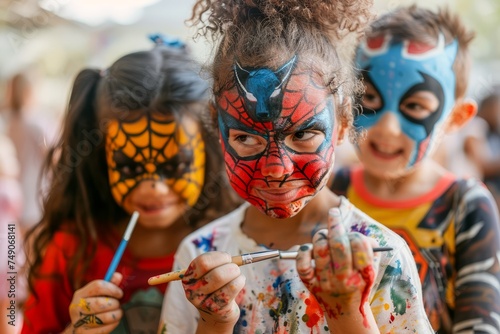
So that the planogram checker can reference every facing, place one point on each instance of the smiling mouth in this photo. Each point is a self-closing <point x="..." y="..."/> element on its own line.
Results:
<point x="278" y="195"/>
<point x="149" y="208"/>
<point x="384" y="153"/>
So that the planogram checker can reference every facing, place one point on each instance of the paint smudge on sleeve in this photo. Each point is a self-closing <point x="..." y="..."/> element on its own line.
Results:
<point x="402" y="290"/>
<point x="205" y="243"/>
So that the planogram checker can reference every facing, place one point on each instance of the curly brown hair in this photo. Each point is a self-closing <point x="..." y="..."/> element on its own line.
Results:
<point x="424" y="25"/>
<point x="267" y="33"/>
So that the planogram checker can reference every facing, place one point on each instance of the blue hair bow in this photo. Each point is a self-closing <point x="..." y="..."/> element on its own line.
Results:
<point x="160" y="39"/>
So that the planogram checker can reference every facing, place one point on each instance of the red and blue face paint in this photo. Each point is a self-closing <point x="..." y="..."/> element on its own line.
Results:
<point x="289" y="113"/>
<point x="399" y="69"/>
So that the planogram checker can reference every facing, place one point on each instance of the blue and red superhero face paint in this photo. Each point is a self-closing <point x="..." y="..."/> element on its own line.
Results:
<point x="399" y="70"/>
<point x="278" y="132"/>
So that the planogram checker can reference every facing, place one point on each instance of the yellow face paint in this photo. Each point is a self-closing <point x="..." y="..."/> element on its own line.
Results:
<point x="155" y="147"/>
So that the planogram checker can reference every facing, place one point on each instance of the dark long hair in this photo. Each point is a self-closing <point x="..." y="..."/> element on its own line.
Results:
<point x="164" y="80"/>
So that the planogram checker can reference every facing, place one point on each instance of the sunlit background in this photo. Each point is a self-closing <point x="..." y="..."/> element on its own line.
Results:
<point x="54" y="39"/>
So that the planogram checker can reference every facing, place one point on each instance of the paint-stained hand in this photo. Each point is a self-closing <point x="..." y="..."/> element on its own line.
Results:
<point x="211" y="284"/>
<point x="342" y="274"/>
<point x="95" y="307"/>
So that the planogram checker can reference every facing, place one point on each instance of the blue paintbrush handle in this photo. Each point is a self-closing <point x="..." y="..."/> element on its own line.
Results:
<point x="116" y="259"/>
<point x="121" y="248"/>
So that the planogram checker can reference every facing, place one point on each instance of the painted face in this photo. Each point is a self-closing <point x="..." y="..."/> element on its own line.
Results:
<point x="158" y="150"/>
<point x="413" y="81"/>
<point x="278" y="133"/>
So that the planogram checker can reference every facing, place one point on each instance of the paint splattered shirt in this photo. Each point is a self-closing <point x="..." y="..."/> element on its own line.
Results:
<point x="454" y="234"/>
<point x="274" y="299"/>
<point x="141" y="303"/>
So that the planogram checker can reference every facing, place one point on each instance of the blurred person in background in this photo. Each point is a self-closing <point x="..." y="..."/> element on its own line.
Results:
<point x="30" y="139"/>
<point x="486" y="153"/>
<point x="11" y="287"/>
<point x="456" y="151"/>
<point x="134" y="139"/>
<point x="474" y="150"/>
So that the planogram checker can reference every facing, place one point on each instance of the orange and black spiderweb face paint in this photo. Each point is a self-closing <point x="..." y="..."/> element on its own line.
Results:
<point x="155" y="147"/>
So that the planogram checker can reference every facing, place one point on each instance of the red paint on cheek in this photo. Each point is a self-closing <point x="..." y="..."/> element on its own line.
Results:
<point x="368" y="275"/>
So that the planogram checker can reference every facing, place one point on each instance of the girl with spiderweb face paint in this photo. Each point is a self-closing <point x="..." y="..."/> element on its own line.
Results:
<point x="278" y="132"/>
<point x="133" y="140"/>
<point x="156" y="165"/>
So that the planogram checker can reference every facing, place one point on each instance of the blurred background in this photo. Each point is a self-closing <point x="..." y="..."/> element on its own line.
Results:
<point x="54" y="39"/>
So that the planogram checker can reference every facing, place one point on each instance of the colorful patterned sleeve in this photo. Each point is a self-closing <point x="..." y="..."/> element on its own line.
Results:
<point x="477" y="270"/>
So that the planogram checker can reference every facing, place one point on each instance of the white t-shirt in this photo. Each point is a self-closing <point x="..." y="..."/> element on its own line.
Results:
<point x="275" y="300"/>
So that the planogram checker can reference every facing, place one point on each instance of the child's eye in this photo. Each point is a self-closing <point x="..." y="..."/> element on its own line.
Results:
<point x="173" y="169"/>
<point x="420" y="105"/>
<point x="139" y="169"/>
<point x="130" y="171"/>
<point x="371" y="100"/>
<point x="246" y="139"/>
<point x="246" y="144"/>
<point x="125" y="170"/>
<point x="307" y="141"/>
<point x="303" y="135"/>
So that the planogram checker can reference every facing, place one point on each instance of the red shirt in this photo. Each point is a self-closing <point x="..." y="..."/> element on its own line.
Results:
<point x="50" y="312"/>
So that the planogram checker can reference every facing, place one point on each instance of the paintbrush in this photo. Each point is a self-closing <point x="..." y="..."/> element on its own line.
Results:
<point x="121" y="248"/>
<point x="241" y="260"/>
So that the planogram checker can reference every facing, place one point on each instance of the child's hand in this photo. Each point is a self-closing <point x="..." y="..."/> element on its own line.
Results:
<point x="342" y="275"/>
<point x="95" y="307"/>
<point x="211" y="284"/>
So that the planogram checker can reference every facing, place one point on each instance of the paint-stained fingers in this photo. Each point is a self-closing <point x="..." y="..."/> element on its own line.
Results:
<point x="95" y="311"/>
<point x="95" y="297"/>
<point x="93" y="305"/>
<point x="104" y="329"/>
<point x="98" y="319"/>
<point x="197" y="290"/>
<point x="103" y="322"/>
<point x="207" y="274"/>
<point x="304" y="264"/>
<point x="205" y="263"/>
<point x="221" y="301"/>
<point x="340" y="247"/>
<point x="362" y="251"/>
<point x="98" y="288"/>
<point x="323" y="268"/>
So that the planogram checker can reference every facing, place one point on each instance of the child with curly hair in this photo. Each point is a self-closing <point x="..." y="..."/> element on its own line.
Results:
<point x="283" y="94"/>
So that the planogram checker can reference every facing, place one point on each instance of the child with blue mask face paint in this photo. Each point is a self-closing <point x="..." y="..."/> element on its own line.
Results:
<point x="415" y="66"/>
